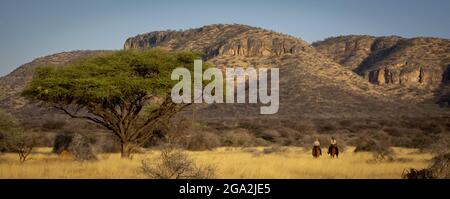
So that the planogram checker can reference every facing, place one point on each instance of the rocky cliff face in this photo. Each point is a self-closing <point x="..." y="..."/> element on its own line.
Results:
<point x="391" y="60"/>
<point x="215" y="40"/>
<point x="410" y="62"/>
<point x="351" y="51"/>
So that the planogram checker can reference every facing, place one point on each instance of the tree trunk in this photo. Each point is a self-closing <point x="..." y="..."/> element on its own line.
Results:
<point x="126" y="149"/>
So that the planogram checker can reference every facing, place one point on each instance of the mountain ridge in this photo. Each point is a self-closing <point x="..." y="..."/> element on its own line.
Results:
<point x="299" y="54"/>
<point x="312" y="83"/>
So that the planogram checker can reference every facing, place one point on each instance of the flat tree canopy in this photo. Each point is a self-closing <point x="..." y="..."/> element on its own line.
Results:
<point x="128" y="92"/>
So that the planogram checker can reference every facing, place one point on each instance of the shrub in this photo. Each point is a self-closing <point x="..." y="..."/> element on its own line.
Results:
<point x="240" y="137"/>
<point x="76" y="144"/>
<point x="417" y="174"/>
<point x="176" y="164"/>
<point x="61" y="143"/>
<point x="158" y="137"/>
<point x="439" y="169"/>
<point x="288" y="137"/>
<point x="203" y="141"/>
<point x="261" y="142"/>
<point x="441" y="145"/>
<point x="270" y="135"/>
<point x="81" y="148"/>
<point x="305" y="127"/>
<point x="43" y="139"/>
<point x="380" y="149"/>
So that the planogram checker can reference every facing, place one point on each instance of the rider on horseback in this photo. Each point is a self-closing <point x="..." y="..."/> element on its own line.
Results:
<point x="333" y="142"/>
<point x="333" y="145"/>
<point x="317" y="148"/>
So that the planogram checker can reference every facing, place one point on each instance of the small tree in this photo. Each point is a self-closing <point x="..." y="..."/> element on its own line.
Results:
<point x="13" y="138"/>
<point x="127" y="92"/>
<point x="23" y="145"/>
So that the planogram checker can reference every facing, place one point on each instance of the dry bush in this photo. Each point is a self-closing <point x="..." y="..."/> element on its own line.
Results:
<point x="305" y="127"/>
<point x="42" y="139"/>
<point x="176" y="164"/>
<point x="289" y="137"/>
<point x="379" y="148"/>
<point x="417" y="174"/>
<point x="61" y="143"/>
<point x="81" y="148"/>
<point x="23" y="145"/>
<point x="239" y="137"/>
<point x="441" y="145"/>
<point x="441" y="166"/>
<point x="439" y="169"/>
<point x="269" y="135"/>
<point x="76" y="144"/>
<point x="159" y="136"/>
<point x="203" y="141"/>
<point x="261" y="142"/>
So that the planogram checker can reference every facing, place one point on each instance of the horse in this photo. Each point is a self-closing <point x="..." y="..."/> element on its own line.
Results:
<point x="316" y="151"/>
<point x="333" y="151"/>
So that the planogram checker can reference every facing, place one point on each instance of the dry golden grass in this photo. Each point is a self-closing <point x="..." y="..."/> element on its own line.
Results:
<point x="230" y="162"/>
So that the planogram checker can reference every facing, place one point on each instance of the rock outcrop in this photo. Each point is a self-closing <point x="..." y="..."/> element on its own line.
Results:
<point x="351" y="51"/>
<point x="214" y="40"/>
<point x="391" y="60"/>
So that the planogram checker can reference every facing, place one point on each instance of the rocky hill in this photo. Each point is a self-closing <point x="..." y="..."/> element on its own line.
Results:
<point x="335" y="78"/>
<point x="214" y="40"/>
<point x="418" y="67"/>
<point x="391" y="60"/>
<point x="312" y="84"/>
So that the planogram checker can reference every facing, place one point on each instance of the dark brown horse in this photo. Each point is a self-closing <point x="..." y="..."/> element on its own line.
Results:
<point x="333" y="151"/>
<point x="316" y="152"/>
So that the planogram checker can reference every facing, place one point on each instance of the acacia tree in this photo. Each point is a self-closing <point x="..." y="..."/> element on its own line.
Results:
<point x="127" y="92"/>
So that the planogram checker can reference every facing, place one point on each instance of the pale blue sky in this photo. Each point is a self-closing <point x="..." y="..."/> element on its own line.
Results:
<point x="33" y="28"/>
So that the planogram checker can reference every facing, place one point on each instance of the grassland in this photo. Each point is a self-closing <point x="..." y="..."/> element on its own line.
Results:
<point x="230" y="163"/>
